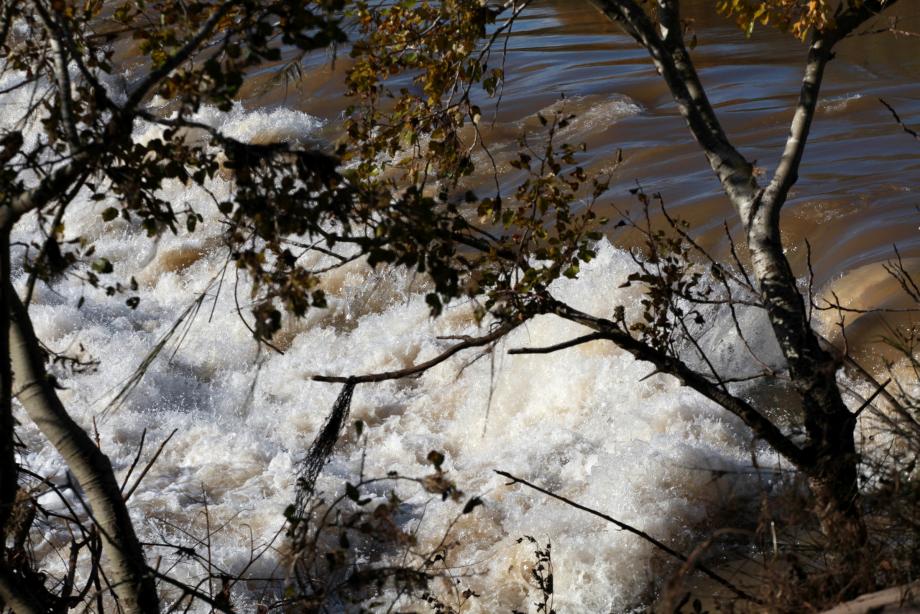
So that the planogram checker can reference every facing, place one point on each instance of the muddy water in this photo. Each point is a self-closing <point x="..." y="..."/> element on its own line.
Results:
<point x="857" y="195"/>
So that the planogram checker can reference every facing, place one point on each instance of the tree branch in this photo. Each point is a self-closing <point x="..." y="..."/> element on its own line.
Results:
<point x="897" y="118"/>
<point x="133" y="585"/>
<point x="499" y="332"/>
<point x="828" y="422"/>
<point x="762" y="427"/>
<point x="50" y="188"/>
<point x="61" y="74"/>
<point x="9" y="470"/>
<point x="673" y="62"/>
<point x="176" y="60"/>
<point x="786" y="173"/>
<point x="819" y="54"/>
<point x="560" y="346"/>
<point x="637" y="532"/>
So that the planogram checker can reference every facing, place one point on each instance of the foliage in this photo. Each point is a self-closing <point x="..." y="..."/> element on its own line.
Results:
<point x="799" y="17"/>
<point x="421" y="70"/>
<point x="542" y="574"/>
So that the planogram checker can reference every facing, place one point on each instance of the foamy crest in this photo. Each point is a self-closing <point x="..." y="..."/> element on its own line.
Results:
<point x="593" y="114"/>
<point x="265" y="126"/>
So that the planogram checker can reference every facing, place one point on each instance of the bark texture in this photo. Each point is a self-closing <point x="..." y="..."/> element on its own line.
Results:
<point x="828" y="458"/>
<point x="133" y="583"/>
<point x="8" y="468"/>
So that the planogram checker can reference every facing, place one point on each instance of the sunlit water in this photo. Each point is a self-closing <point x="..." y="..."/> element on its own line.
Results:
<point x="587" y="422"/>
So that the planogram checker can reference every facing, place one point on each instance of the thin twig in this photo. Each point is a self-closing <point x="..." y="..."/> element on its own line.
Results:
<point x="642" y="534"/>
<point x="156" y="455"/>
<point x="499" y="332"/>
<point x="877" y="392"/>
<point x="559" y="346"/>
<point x="900" y="122"/>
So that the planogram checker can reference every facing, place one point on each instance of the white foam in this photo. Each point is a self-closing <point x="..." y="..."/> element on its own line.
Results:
<point x="583" y="421"/>
<point x="593" y="114"/>
<point x="834" y="104"/>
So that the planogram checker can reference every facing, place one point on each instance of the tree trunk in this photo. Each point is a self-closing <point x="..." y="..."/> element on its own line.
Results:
<point x="836" y="507"/>
<point x="834" y="483"/>
<point x="9" y="483"/>
<point x="132" y="582"/>
<point x="829" y="460"/>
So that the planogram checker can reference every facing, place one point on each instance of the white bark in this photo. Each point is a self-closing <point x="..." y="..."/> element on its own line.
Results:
<point x="829" y="457"/>
<point x="133" y="583"/>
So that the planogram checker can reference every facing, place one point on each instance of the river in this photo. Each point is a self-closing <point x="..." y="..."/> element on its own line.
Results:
<point x="587" y="422"/>
<point x="857" y="194"/>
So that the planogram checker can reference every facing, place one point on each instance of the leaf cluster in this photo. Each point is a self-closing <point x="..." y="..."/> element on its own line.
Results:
<point x="798" y="17"/>
<point x="422" y="72"/>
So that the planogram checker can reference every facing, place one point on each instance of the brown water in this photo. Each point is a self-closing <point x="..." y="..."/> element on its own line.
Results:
<point x="857" y="195"/>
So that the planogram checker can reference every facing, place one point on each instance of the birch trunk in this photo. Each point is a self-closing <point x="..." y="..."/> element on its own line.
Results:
<point x="133" y="583"/>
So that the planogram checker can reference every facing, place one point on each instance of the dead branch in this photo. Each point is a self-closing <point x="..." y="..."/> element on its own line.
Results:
<point x="149" y="464"/>
<point x="559" y="346"/>
<point x="899" y="121"/>
<point x="500" y="331"/>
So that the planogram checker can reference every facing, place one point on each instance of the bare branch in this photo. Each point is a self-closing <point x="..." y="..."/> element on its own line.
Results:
<point x="899" y="121"/>
<point x="499" y="332"/>
<point x="150" y="464"/>
<point x="872" y="397"/>
<point x="762" y="427"/>
<point x="673" y="62"/>
<point x="559" y="346"/>
<point x="190" y="591"/>
<point x="786" y="173"/>
<point x="819" y="54"/>
<point x="637" y="532"/>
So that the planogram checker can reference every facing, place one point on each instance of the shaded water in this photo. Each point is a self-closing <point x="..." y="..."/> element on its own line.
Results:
<point x="588" y="421"/>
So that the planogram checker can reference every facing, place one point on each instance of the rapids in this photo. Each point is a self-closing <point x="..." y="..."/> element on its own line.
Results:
<point x="586" y="421"/>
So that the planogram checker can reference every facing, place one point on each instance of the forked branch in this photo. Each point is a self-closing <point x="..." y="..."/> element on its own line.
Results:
<point x="500" y="331"/>
<point x="665" y="363"/>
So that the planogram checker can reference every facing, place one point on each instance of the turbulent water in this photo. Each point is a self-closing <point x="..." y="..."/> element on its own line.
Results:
<point x="587" y="421"/>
